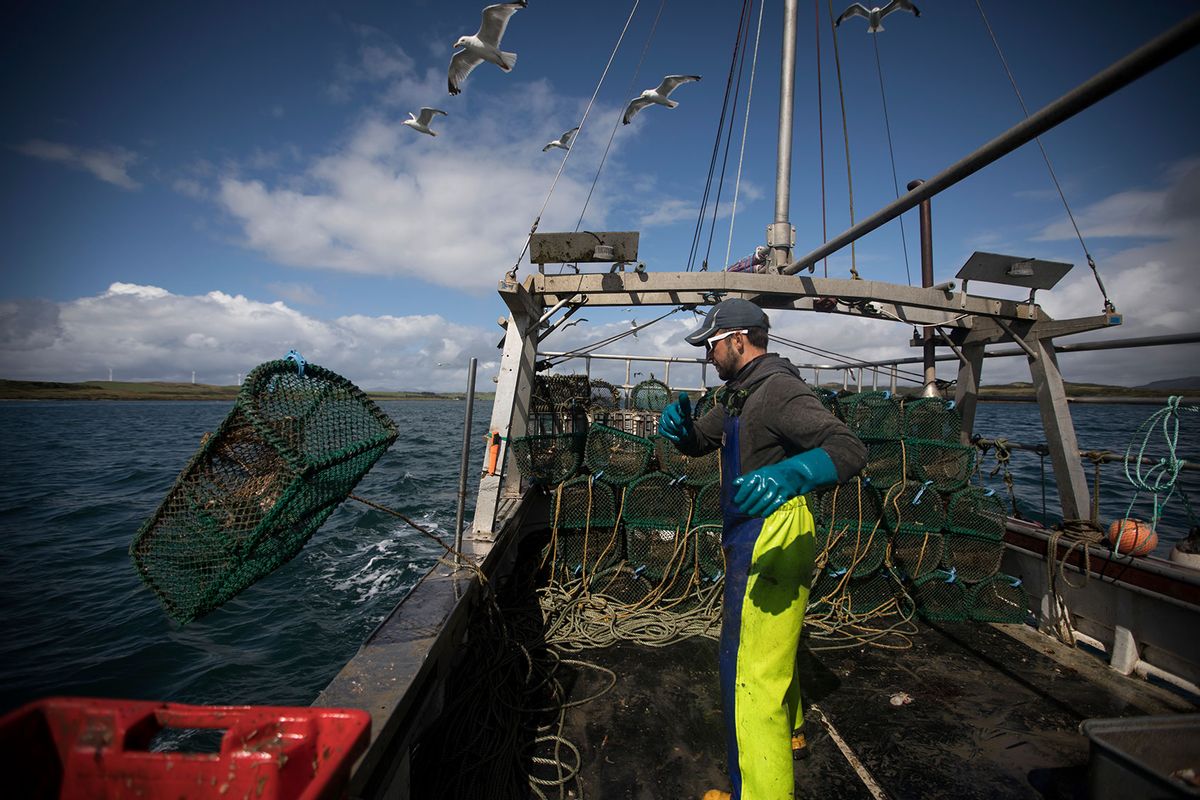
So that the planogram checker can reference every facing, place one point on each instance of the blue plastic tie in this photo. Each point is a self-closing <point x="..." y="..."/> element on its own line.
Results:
<point x="837" y="573"/>
<point x="1015" y="582"/>
<point x="952" y="575"/>
<point x="887" y="395"/>
<point x="638" y="570"/>
<point x="950" y="405"/>
<point x="292" y="355"/>
<point x="921" y="491"/>
<point x="989" y="492"/>
<point x="597" y="475"/>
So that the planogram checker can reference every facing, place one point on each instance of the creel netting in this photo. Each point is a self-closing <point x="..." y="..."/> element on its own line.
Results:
<point x="292" y="448"/>
<point x="1000" y="598"/>
<point x="615" y="456"/>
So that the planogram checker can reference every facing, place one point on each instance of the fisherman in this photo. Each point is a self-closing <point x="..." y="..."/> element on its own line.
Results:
<point x="778" y="443"/>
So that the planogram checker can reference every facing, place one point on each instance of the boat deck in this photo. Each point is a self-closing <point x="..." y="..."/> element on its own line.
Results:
<point x="995" y="712"/>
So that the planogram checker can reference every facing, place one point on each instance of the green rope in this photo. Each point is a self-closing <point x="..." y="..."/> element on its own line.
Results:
<point x="1160" y="477"/>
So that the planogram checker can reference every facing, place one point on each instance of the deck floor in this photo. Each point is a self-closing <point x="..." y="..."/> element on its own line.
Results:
<point x="991" y="716"/>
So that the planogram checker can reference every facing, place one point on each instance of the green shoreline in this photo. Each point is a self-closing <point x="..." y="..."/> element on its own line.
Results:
<point x="161" y="390"/>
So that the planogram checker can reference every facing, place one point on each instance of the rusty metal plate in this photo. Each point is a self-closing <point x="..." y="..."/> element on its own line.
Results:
<point x="581" y="247"/>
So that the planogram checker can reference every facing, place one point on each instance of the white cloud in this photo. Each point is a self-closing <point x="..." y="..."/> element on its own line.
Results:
<point x="109" y="165"/>
<point x="1144" y="213"/>
<point x="148" y="333"/>
<point x="299" y="293"/>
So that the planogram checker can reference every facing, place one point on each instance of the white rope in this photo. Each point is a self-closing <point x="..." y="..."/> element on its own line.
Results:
<point x="745" y="127"/>
<point x="578" y="134"/>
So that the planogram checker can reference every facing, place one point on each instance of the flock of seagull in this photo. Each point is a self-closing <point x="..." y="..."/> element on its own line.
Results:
<point x="484" y="45"/>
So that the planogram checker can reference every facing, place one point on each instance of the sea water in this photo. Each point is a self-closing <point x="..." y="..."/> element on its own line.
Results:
<point x="78" y="479"/>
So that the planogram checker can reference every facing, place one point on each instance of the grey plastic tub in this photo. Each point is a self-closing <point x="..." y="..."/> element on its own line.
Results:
<point x="1135" y="757"/>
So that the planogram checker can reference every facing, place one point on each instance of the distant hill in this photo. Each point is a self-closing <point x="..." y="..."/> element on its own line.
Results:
<point x="161" y="390"/>
<point x="1190" y="382"/>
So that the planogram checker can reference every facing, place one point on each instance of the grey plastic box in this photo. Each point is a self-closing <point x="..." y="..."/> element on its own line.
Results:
<point x="1134" y="757"/>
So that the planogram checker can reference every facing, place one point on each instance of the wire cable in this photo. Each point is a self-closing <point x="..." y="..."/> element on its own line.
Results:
<point x="712" y="164"/>
<point x="1108" y="306"/>
<point x="821" y="128"/>
<point x="620" y="113"/>
<point x="887" y="125"/>
<point x="737" y="89"/>
<point x="837" y="62"/>
<point x="533" y="228"/>
<point x="737" y="184"/>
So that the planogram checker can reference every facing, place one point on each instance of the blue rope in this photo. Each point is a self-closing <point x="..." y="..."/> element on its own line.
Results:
<point x="294" y="356"/>
<point x="1161" y="477"/>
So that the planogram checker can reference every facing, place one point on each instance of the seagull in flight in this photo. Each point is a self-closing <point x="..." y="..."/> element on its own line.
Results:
<point x="874" y="16"/>
<point x="658" y="95"/>
<point x="484" y="45"/>
<point x="564" y="141"/>
<point x="421" y="123"/>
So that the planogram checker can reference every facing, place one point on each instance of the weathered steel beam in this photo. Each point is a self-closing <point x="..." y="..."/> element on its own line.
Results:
<point x="987" y="331"/>
<point x="1059" y="429"/>
<point x="770" y="291"/>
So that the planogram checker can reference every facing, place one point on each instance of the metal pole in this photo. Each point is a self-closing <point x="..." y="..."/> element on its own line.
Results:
<point x="466" y="455"/>
<point x="1146" y="58"/>
<point x="779" y="235"/>
<point x="929" y="349"/>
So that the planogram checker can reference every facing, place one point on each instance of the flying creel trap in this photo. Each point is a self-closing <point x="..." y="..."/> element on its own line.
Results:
<point x="298" y="440"/>
<point x="640" y="523"/>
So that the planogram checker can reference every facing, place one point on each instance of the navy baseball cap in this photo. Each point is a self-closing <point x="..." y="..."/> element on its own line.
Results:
<point x="727" y="315"/>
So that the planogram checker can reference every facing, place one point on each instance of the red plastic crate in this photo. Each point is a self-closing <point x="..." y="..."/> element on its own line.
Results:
<point x="87" y="748"/>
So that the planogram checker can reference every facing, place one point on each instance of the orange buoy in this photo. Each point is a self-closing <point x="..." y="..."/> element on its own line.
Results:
<point x="1132" y="537"/>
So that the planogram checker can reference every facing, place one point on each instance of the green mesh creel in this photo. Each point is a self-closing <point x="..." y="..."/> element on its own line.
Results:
<point x="604" y="397"/>
<point x="704" y="404"/>
<point x="978" y="511"/>
<point x="658" y="551"/>
<point x="859" y="552"/>
<point x="582" y="501"/>
<point x="657" y="500"/>
<point x="1000" y="598"/>
<point x="878" y="594"/>
<point x="706" y="506"/>
<point x="694" y="470"/>
<point x="855" y="503"/>
<point x="947" y="465"/>
<point x="547" y="458"/>
<point x="885" y="464"/>
<point x="917" y="554"/>
<point x="615" y="456"/>
<point x="871" y="416"/>
<point x="649" y="395"/>
<point x="828" y="399"/>
<point x="560" y="393"/>
<point x="972" y="556"/>
<point x="914" y="507"/>
<point x="292" y="448"/>
<point x="932" y="418"/>
<point x="622" y="583"/>
<point x="940" y="597"/>
<point x="590" y="549"/>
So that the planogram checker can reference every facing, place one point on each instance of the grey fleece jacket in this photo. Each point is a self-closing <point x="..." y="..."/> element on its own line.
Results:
<point x="781" y="417"/>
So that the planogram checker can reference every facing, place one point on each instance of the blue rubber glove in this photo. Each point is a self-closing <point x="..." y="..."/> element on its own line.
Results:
<point x="760" y="492"/>
<point x="676" y="420"/>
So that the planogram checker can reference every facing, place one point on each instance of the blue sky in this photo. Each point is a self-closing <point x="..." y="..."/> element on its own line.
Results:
<point x="205" y="186"/>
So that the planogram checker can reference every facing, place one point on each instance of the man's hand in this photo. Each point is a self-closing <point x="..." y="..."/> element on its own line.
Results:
<point x="760" y="492"/>
<point x="676" y="420"/>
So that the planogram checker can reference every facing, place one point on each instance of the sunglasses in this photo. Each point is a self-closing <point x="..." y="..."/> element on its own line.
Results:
<point x="711" y="341"/>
